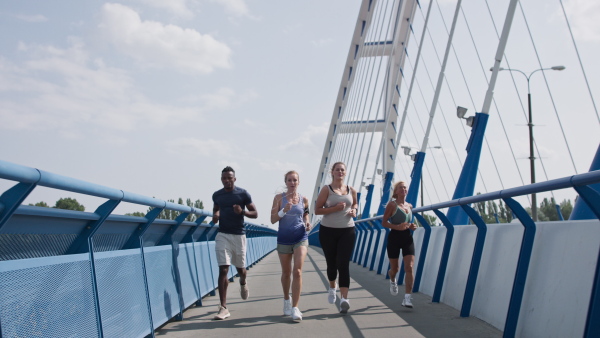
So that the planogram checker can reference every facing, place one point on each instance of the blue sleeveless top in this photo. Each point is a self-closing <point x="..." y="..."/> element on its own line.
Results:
<point x="291" y="227"/>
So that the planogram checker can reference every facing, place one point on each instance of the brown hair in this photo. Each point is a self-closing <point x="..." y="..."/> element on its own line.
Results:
<point x="395" y="186"/>
<point x="334" y="165"/>
<point x="289" y="173"/>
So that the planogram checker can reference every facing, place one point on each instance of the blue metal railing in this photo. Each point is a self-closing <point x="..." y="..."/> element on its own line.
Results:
<point x="580" y="183"/>
<point x="70" y="273"/>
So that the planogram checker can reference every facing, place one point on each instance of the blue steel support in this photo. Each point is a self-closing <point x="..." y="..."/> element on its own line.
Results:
<point x="367" y="208"/>
<point x="205" y="237"/>
<point x="150" y="217"/>
<point x="369" y="242"/>
<point x="516" y="297"/>
<point x="385" y="196"/>
<point x="592" y="325"/>
<point x="103" y="211"/>
<point x="465" y="310"/>
<point x="363" y="241"/>
<point x="415" y="178"/>
<point x="423" y="254"/>
<point x="468" y="175"/>
<point x="166" y="240"/>
<point x="559" y="212"/>
<point x="135" y="240"/>
<point x="581" y="210"/>
<point x="12" y="198"/>
<point x="378" y="227"/>
<point x="383" y="252"/>
<point x="439" y="283"/>
<point x="190" y="233"/>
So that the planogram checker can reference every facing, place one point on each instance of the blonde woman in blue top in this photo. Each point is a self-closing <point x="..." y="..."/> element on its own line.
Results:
<point x="290" y="209"/>
<point x="397" y="217"/>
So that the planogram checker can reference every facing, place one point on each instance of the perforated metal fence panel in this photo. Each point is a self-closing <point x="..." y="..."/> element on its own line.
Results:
<point x="47" y="297"/>
<point x="122" y="294"/>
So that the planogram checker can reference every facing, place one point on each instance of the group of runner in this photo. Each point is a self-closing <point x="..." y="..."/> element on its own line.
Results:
<point x="338" y="204"/>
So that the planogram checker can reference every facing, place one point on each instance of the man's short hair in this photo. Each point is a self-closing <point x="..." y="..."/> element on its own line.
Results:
<point x="227" y="169"/>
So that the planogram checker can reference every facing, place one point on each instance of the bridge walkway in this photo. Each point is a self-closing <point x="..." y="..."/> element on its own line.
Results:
<point x="374" y="312"/>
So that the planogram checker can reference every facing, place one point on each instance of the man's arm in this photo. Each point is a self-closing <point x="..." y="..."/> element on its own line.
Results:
<point x="216" y="214"/>
<point x="251" y="212"/>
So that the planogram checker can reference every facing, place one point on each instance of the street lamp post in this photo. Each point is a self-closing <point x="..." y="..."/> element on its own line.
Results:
<point x="530" y="124"/>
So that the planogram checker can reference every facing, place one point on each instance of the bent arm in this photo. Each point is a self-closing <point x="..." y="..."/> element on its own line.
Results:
<point x="320" y="208"/>
<point x="216" y="214"/>
<point x="252" y="212"/>
<point x="275" y="209"/>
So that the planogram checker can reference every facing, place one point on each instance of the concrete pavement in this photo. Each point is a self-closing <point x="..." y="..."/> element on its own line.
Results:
<point x="373" y="313"/>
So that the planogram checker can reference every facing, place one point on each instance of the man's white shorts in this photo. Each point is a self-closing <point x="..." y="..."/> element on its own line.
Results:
<point x="231" y="249"/>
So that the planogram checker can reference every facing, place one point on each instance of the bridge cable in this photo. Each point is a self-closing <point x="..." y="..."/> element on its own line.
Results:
<point x="579" y="58"/>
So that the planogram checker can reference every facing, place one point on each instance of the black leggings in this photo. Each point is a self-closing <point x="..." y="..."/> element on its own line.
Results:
<point x="338" y="244"/>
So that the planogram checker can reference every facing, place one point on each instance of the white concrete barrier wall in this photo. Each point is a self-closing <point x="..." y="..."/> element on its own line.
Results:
<point x="559" y="280"/>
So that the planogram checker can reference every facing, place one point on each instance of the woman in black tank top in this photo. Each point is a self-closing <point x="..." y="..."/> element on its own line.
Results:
<point x="398" y="217"/>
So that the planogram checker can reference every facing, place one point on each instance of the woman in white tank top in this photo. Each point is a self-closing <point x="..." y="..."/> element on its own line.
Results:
<point x="337" y="203"/>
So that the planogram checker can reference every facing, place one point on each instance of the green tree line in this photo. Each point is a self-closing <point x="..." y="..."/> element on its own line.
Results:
<point x="488" y="211"/>
<point x="72" y="204"/>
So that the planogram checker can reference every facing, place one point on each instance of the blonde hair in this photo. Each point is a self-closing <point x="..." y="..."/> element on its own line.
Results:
<point x="289" y="173"/>
<point x="394" y="196"/>
<point x="334" y="165"/>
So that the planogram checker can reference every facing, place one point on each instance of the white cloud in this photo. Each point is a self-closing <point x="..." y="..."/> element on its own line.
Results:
<point x="198" y="147"/>
<point x="59" y="89"/>
<point x="308" y="136"/>
<point x="276" y="165"/>
<point x="235" y="7"/>
<point x="583" y="16"/>
<point x="179" y="8"/>
<point x="32" y="18"/>
<point x="154" y="44"/>
<point x="321" y="42"/>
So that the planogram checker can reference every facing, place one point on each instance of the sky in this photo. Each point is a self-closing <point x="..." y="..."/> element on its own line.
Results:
<point x="157" y="97"/>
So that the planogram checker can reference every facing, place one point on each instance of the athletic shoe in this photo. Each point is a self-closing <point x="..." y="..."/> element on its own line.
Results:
<point x="244" y="292"/>
<point x="296" y="315"/>
<point x="222" y="314"/>
<point x="287" y="307"/>
<point x="344" y="305"/>
<point x="407" y="301"/>
<point x="331" y="296"/>
<point x="393" y="288"/>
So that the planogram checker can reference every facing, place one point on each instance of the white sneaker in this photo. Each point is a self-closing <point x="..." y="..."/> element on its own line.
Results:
<point x="287" y="307"/>
<point x="344" y="305"/>
<point x="296" y="314"/>
<point x="407" y="301"/>
<point x="393" y="288"/>
<point x="331" y="296"/>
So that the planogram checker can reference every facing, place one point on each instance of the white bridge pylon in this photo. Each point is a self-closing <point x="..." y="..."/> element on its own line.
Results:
<point x="364" y="124"/>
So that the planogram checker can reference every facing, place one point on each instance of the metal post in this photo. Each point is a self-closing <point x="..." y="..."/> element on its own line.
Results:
<point x="531" y="156"/>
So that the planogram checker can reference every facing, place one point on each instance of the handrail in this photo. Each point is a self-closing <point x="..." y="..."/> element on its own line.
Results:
<point x="23" y="174"/>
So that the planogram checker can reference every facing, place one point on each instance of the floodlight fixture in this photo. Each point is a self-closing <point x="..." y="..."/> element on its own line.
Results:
<point x="460" y="112"/>
<point x="406" y="150"/>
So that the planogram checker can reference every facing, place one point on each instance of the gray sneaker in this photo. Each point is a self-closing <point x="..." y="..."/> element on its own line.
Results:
<point x="287" y="307"/>
<point x="344" y="305"/>
<point x="244" y="292"/>
<point x="296" y="315"/>
<point x="393" y="288"/>
<point x="407" y="301"/>
<point x="222" y="314"/>
<point x="331" y="295"/>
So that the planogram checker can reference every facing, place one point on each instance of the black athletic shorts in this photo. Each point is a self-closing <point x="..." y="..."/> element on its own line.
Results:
<point x="400" y="240"/>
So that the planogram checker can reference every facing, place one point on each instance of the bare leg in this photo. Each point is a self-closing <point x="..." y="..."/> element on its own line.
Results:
<point x="299" y="256"/>
<point x="222" y="284"/>
<point x="344" y="292"/>
<point x="286" y="273"/>
<point x="242" y="274"/>
<point x="394" y="268"/>
<point x="409" y="278"/>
